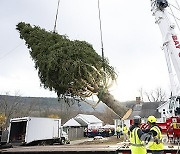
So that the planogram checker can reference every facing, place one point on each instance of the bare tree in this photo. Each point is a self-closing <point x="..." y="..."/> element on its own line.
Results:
<point x="157" y="95"/>
<point x="9" y="105"/>
<point x="141" y="94"/>
<point x="26" y="108"/>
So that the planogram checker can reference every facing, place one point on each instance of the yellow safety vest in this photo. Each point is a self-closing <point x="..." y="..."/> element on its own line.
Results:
<point x="109" y="130"/>
<point x="137" y="146"/>
<point x="118" y="129"/>
<point x="125" y="130"/>
<point x="153" y="145"/>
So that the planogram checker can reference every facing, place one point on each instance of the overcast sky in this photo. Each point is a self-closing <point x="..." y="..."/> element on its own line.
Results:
<point x="132" y="42"/>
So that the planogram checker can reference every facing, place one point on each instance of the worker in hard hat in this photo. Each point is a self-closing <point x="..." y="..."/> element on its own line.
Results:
<point x="118" y="131"/>
<point x="137" y="146"/>
<point x="156" y="145"/>
<point x="125" y="133"/>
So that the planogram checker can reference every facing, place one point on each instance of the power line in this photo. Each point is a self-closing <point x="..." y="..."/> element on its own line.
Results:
<point x="10" y="51"/>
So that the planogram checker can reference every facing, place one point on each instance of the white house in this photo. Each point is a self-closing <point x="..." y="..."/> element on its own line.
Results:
<point x="144" y="110"/>
<point x="90" y="121"/>
<point x="170" y="108"/>
<point x="163" y="110"/>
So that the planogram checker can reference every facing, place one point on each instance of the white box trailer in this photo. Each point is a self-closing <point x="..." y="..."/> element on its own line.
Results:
<point x="36" y="130"/>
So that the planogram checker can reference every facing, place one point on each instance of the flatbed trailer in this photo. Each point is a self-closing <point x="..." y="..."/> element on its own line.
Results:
<point x="167" y="150"/>
<point x="80" y="149"/>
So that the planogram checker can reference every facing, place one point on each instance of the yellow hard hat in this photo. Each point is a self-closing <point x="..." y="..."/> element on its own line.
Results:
<point x="152" y="119"/>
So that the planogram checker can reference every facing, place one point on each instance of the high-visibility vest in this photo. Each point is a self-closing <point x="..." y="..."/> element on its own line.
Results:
<point x="118" y="129"/>
<point x="125" y="130"/>
<point x="136" y="145"/>
<point x="110" y="131"/>
<point x="154" y="145"/>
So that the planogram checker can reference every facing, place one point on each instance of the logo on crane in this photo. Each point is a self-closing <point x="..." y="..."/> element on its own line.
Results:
<point x="175" y="39"/>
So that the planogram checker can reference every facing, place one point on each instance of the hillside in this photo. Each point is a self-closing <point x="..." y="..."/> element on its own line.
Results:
<point x="16" y="106"/>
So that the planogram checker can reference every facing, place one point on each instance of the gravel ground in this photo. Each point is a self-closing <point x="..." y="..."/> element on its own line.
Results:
<point x="98" y="140"/>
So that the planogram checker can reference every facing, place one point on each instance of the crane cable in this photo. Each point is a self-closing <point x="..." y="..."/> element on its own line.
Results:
<point x="174" y="18"/>
<point x="178" y="4"/>
<point x="100" y="27"/>
<point x="177" y="8"/>
<point x="56" y="16"/>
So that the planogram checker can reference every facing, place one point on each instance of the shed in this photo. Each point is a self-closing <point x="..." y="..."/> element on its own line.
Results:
<point x="73" y="129"/>
<point x="77" y="127"/>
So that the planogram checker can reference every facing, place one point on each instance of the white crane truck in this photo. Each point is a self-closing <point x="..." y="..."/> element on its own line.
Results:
<point x="171" y="47"/>
<point x="36" y="131"/>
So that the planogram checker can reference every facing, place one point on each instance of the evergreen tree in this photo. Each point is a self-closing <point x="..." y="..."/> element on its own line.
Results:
<point x="70" y="68"/>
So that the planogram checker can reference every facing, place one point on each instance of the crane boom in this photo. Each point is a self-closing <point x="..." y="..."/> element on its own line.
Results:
<point x="171" y="47"/>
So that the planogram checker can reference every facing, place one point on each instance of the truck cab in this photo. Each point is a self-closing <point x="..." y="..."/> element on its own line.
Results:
<point x="173" y="129"/>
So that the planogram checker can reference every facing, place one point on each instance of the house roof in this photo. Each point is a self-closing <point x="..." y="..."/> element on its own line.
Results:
<point x="82" y="122"/>
<point x="134" y="113"/>
<point x="72" y="123"/>
<point x="150" y="108"/>
<point x="146" y="109"/>
<point x="87" y="119"/>
<point x="164" y="103"/>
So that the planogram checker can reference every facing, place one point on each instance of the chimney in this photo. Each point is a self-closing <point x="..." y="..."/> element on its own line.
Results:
<point x="138" y="100"/>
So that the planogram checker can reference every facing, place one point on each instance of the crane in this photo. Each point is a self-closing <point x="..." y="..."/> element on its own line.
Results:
<point x="171" y="47"/>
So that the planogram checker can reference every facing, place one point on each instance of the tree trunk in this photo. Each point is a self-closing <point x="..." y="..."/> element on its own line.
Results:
<point x="113" y="104"/>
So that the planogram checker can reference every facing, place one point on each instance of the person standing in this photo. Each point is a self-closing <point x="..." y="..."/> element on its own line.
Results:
<point x="118" y="131"/>
<point x="137" y="146"/>
<point x="156" y="146"/>
<point x="110" y="132"/>
<point x="125" y="133"/>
